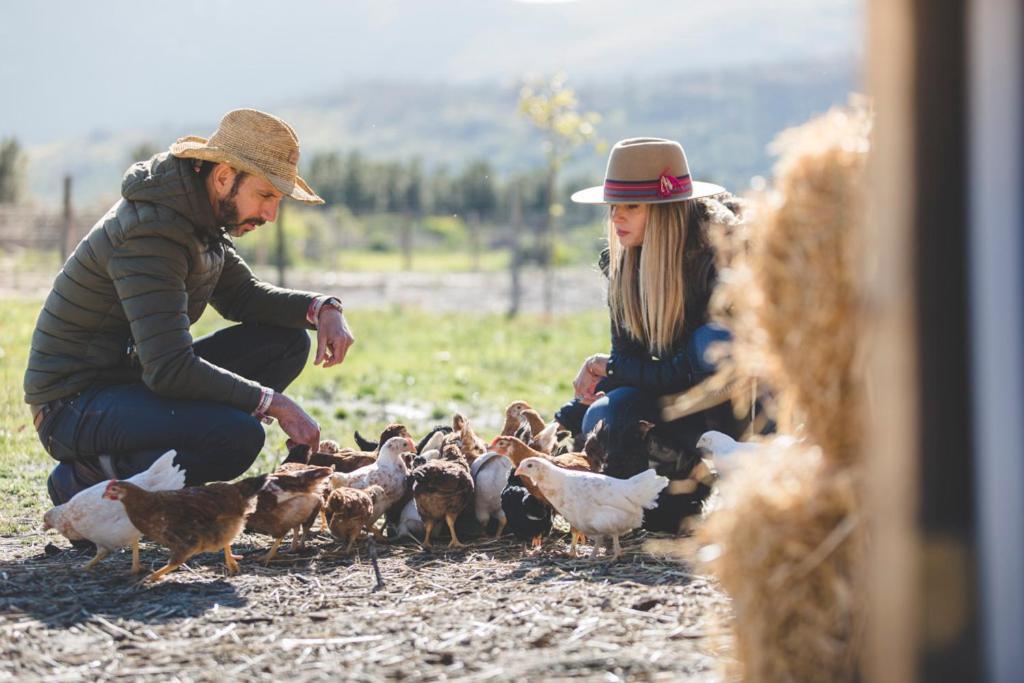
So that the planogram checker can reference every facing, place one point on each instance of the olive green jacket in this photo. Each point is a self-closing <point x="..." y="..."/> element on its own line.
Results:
<point x="121" y="307"/>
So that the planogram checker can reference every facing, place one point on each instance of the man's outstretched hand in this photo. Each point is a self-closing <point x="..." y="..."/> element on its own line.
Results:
<point x="333" y="337"/>
<point x="300" y="427"/>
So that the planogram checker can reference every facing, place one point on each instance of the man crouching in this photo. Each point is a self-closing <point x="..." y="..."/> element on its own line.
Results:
<point x="115" y="378"/>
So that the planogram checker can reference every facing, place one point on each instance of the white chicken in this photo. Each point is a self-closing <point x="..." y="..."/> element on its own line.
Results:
<point x="92" y="517"/>
<point x="389" y="472"/>
<point x="410" y="523"/>
<point x="722" y="454"/>
<point x="490" y="475"/>
<point x="595" y="504"/>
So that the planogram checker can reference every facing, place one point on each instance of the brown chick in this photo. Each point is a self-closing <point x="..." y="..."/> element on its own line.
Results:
<point x="294" y="504"/>
<point x="351" y="459"/>
<point x="514" y="417"/>
<point x="349" y="511"/>
<point x="442" y="489"/>
<point x="191" y="520"/>
<point x="463" y="436"/>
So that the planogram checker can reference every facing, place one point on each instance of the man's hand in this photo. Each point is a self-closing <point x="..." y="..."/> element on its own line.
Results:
<point x="333" y="337"/>
<point x="300" y="427"/>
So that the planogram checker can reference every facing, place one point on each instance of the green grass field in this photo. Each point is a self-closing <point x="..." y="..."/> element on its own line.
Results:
<point x="407" y="365"/>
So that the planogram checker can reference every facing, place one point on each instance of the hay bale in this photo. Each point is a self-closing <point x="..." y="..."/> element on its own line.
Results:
<point x="790" y="293"/>
<point x="787" y="548"/>
<point x="787" y="540"/>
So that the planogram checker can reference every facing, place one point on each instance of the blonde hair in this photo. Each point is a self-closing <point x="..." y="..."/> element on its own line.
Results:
<point x="647" y="288"/>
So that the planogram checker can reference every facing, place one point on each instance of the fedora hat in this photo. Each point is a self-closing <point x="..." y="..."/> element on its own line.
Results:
<point x="255" y="142"/>
<point x="646" y="171"/>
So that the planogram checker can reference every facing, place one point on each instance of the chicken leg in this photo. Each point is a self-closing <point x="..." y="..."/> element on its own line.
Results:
<point x="100" y="554"/>
<point x="231" y="560"/>
<point x="456" y="543"/>
<point x="351" y="541"/>
<point x="164" y="570"/>
<point x="136" y="565"/>
<point x="617" y="548"/>
<point x="428" y="527"/>
<point x="271" y="554"/>
<point x="501" y="527"/>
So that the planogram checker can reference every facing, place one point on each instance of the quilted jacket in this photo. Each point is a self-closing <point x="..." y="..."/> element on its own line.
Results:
<point x="121" y="307"/>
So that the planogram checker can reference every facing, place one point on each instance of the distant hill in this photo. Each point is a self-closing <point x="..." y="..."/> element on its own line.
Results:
<point x="724" y="117"/>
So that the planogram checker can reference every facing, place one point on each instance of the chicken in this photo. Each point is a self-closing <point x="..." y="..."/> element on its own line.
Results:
<point x="462" y="435"/>
<point x="191" y="520"/>
<point x="349" y="511"/>
<point x="595" y="504"/>
<point x="517" y="451"/>
<point x="490" y="476"/>
<point x="514" y="417"/>
<point x="389" y="472"/>
<point x="104" y="522"/>
<point x="409" y="521"/>
<point x="393" y="429"/>
<point x="294" y="502"/>
<point x="528" y="518"/>
<point x="442" y="489"/>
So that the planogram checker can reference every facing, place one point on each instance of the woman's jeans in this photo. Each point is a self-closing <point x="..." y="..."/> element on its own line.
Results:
<point x="215" y="441"/>
<point x="624" y="406"/>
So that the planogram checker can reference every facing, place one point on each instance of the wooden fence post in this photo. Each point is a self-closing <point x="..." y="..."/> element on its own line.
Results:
<point x="65" y="231"/>
<point x="515" y="262"/>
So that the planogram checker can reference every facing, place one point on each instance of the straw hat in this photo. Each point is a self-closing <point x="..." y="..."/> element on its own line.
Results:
<point x="646" y="171"/>
<point x="255" y="142"/>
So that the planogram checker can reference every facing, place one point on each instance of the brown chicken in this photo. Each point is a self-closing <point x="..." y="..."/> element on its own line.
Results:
<point x="351" y="459"/>
<point x="191" y="520"/>
<point x="517" y="451"/>
<point x="463" y="436"/>
<point x="514" y="417"/>
<point x="442" y="489"/>
<point x="294" y="504"/>
<point x="349" y="511"/>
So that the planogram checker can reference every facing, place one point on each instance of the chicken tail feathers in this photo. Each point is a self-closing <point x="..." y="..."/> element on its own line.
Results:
<point x="364" y="443"/>
<point x="162" y="475"/>
<point x="644" y="488"/>
<point x="250" y="486"/>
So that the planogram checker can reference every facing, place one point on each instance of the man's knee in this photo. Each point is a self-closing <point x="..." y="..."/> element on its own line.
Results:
<point x="232" y="450"/>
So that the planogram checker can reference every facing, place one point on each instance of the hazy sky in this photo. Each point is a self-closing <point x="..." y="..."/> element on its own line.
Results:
<point x="69" y="67"/>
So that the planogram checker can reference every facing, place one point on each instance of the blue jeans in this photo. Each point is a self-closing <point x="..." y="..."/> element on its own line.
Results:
<point x="215" y="441"/>
<point x="623" y="406"/>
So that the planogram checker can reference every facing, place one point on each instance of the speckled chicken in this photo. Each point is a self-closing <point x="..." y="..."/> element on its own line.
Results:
<point x="192" y="520"/>
<point x="389" y="472"/>
<point x="350" y="511"/>
<point x="292" y="504"/>
<point x="442" y="489"/>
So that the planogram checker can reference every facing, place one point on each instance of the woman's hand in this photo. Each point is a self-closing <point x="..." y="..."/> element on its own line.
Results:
<point x="591" y="372"/>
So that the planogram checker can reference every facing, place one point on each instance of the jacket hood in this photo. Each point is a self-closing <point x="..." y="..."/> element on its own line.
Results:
<point x="169" y="181"/>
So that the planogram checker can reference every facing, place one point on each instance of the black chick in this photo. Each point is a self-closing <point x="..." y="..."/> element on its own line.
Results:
<point x="528" y="518"/>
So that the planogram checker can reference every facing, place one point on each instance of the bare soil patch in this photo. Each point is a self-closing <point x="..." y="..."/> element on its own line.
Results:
<point x="488" y="612"/>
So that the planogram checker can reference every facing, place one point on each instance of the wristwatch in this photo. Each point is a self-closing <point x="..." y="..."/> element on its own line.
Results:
<point x="333" y="302"/>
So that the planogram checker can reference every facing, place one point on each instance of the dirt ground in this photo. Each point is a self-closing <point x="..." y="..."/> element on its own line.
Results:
<point x="488" y="612"/>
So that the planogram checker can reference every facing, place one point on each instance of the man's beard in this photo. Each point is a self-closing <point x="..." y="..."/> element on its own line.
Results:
<point x="228" y="209"/>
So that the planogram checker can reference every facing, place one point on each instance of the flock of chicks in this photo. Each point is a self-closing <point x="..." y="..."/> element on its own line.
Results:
<point x="519" y="479"/>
